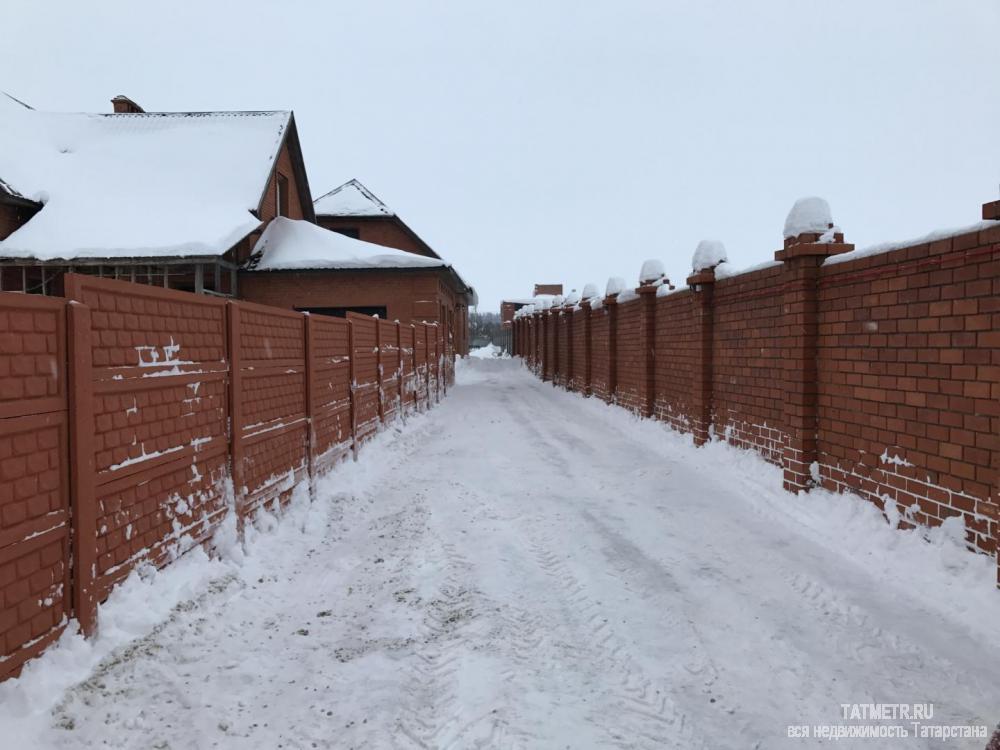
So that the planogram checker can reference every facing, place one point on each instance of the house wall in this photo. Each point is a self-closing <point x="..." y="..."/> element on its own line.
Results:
<point x="385" y="231"/>
<point x="407" y="296"/>
<point x="269" y="205"/>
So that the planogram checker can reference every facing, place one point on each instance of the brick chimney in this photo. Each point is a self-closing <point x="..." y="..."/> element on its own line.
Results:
<point x="548" y="289"/>
<point x="124" y="105"/>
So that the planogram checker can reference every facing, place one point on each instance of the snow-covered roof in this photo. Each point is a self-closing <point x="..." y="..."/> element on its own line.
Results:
<point x="351" y="199"/>
<point x="290" y="244"/>
<point x="135" y="185"/>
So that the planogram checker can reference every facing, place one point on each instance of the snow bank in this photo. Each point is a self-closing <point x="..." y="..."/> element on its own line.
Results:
<point x="810" y="214"/>
<point x="490" y="351"/>
<point x="127" y="185"/>
<point x="289" y="244"/>
<point x="708" y="254"/>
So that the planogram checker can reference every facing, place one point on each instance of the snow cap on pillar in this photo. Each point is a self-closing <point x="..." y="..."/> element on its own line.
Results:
<point x="573" y="297"/>
<point x="708" y="254"/>
<point x="651" y="272"/>
<point x="590" y="291"/>
<point x="615" y="285"/>
<point x="810" y="221"/>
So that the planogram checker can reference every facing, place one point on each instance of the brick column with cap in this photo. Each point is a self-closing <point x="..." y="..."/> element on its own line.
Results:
<point x="611" y="304"/>
<point x="647" y="338"/>
<point x="802" y="256"/>
<point x="702" y="285"/>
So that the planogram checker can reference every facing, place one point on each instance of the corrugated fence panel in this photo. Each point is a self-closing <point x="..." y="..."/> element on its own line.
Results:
<point x="34" y="477"/>
<point x="389" y="368"/>
<point x="365" y="385"/>
<point x="272" y="402"/>
<point x="331" y="384"/>
<point x="159" y="441"/>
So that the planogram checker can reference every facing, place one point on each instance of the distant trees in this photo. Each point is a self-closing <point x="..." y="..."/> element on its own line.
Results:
<point x="484" y="328"/>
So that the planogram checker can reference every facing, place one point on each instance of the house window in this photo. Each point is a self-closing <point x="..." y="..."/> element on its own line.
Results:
<point x="352" y="232"/>
<point x="281" y="202"/>
<point x="341" y="312"/>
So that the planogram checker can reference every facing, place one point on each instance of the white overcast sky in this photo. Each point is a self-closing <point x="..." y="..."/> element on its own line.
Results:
<point x="570" y="141"/>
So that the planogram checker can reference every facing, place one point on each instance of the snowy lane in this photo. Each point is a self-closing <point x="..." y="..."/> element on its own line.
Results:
<point x="524" y="568"/>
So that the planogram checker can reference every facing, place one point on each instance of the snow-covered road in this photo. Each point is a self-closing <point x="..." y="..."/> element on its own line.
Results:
<point x="525" y="568"/>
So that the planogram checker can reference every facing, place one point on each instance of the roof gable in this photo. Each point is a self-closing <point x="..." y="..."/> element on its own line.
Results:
<point x="136" y="185"/>
<point x="351" y="199"/>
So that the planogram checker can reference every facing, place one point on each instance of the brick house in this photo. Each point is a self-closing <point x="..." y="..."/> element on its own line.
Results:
<point x="305" y="267"/>
<point x="175" y="199"/>
<point x="378" y="270"/>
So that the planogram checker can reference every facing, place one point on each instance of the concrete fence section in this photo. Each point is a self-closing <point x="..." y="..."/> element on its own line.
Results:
<point x="877" y="374"/>
<point x="133" y="420"/>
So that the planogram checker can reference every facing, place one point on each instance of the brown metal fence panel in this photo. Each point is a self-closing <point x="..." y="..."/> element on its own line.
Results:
<point x="364" y="357"/>
<point x="157" y="427"/>
<point x="330" y="361"/>
<point x="388" y="369"/>
<point x="35" y="599"/>
<point x="421" y="365"/>
<point x="272" y="416"/>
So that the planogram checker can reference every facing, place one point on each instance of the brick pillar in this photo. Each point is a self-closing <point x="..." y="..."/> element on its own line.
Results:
<point x="546" y="335"/>
<point x="587" y="351"/>
<point x="611" y="303"/>
<point x="802" y="257"/>
<point x="702" y="285"/>
<point x="568" y="333"/>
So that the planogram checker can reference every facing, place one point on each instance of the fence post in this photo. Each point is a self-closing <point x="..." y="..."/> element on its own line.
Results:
<point x="647" y="336"/>
<point x="611" y="302"/>
<point x="399" y="372"/>
<point x="236" y="468"/>
<point x="378" y="370"/>
<point x="702" y="285"/>
<point x="568" y="314"/>
<point x="350" y="390"/>
<point x="802" y="257"/>
<point x="81" y="441"/>
<point x="310" y="430"/>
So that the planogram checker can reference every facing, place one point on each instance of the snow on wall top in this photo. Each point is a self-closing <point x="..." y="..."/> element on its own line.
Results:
<point x="350" y="199"/>
<point x="886" y="247"/>
<point x="616" y="285"/>
<point x="136" y="185"/>
<point x="289" y="244"/>
<point x="810" y="214"/>
<point x="709" y="254"/>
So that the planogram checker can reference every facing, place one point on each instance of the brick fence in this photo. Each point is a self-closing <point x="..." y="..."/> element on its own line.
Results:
<point x="877" y="374"/>
<point x="134" y="419"/>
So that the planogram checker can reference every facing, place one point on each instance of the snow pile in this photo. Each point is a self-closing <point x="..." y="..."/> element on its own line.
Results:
<point x="652" y="270"/>
<point x="616" y="285"/>
<point x="810" y="215"/>
<point x="573" y="298"/>
<point x="350" y="199"/>
<point x="590" y="291"/>
<point x="708" y="254"/>
<point x="289" y="244"/>
<point x="557" y="301"/>
<point x="127" y="185"/>
<point x="490" y="351"/>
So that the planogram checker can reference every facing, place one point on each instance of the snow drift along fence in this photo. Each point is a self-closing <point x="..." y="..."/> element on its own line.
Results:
<point x="134" y="420"/>
<point x="878" y="374"/>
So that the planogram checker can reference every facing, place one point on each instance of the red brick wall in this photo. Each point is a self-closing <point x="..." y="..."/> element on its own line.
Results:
<point x="630" y="352"/>
<point x="114" y="422"/>
<point x="879" y="375"/>
<point x="563" y="346"/>
<point x="746" y="363"/>
<point x="675" y="362"/>
<point x="580" y="361"/>
<point x="909" y="365"/>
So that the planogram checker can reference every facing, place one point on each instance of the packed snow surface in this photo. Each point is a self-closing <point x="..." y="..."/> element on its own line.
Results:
<point x="289" y="244"/>
<point x="350" y="199"/>
<point x="522" y="567"/>
<point x="808" y="215"/>
<point x="135" y="185"/>
<point x="708" y="254"/>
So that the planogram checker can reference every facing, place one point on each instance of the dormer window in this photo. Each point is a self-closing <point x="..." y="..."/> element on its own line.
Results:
<point x="281" y="197"/>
